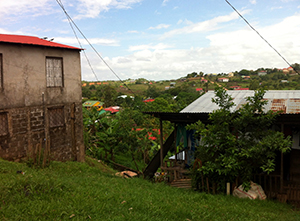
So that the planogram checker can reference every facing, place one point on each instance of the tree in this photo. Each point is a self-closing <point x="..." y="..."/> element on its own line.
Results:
<point x="296" y="67"/>
<point x="191" y="75"/>
<point x="244" y="72"/>
<point x="107" y="94"/>
<point x="141" y="81"/>
<point x="159" y="105"/>
<point x="152" y="92"/>
<point x="254" y="85"/>
<point x="92" y="87"/>
<point x="126" y="133"/>
<point x="240" y="143"/>
<point x="86" y="92"/>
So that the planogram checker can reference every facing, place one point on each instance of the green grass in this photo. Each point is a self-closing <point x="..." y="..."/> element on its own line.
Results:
<point x="83" y="191"/>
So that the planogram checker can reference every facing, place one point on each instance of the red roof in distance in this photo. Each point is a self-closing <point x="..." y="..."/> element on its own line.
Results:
<point x="111" y="110"/>
<point x="31" y="40"/>
<point x="148" y="100"/>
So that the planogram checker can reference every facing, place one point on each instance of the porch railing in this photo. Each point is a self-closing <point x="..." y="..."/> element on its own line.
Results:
<point x="269" y="183"/>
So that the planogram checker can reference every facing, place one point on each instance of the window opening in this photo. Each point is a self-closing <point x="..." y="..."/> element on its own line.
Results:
<point x="56" y="117"/>
<point x="54" y="72"/>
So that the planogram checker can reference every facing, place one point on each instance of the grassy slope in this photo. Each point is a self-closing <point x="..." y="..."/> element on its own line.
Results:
<point x="81" y="191"/>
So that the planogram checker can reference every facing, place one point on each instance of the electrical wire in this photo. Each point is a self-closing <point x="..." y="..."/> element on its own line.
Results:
<point x="72" y="21"/>
<point x="259" y="34"/>
<point x="60" y="3"/>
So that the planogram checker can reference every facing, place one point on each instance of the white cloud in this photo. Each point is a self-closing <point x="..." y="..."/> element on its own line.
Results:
<point x="9" y="9"/>
<point x="93" y="41"/>
<point x="274" y="8"/>
<point x="204" y="26"/>
<point x="91" y="9"/>
<point x="227" y="51"/>
<point x="165" y="2"/>
<point x="186" y="22"/>
<point x="4" y="31"/>
<point x="253" y="2"/>
<point x="287" y="0"/>
<point x="133" y="31"/>
<point x="86" y="8"/>
<point x="159" y="46"/>
<point x="160" y="26"/>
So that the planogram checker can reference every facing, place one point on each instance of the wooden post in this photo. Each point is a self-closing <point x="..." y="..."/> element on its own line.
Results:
<point x="29" y="135"/>
<point x="207" y="184"/>
<point x="175" y="137"/>
<point x="74" y="151"/>
<point x="214" y="188"/>
<point x="228" y="188"/>
<point x="161" y="142"/>
<point x="281" y="165"/>
<point x="46" y="122"/>
<point x="40" y="153"/>
<point x="202" y="180"/>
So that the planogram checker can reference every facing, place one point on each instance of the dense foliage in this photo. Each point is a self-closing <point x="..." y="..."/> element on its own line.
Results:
<point x="124" y="135"/>
<point x="240" y="143"/>
<point x="129" y="137"/>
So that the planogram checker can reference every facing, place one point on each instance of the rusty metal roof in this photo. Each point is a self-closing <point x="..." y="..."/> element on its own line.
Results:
<point x="287" y="101"/>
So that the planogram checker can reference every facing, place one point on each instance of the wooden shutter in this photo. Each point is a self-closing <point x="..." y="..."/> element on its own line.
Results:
<point x="54" y="69"/>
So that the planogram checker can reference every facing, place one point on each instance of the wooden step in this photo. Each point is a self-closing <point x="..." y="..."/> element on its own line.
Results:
<point x="182" y="183"/>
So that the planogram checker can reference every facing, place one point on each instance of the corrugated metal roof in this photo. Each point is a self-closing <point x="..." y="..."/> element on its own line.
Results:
<point x="287" y="101"/>
<point x="30" y="40"/>
<point x="92" y="103"/>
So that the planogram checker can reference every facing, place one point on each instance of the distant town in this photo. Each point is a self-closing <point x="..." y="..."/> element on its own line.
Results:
<point x="267" y="78"/>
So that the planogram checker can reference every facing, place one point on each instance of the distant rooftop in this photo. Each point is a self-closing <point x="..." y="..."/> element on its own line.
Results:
<point x="287" y="101"/>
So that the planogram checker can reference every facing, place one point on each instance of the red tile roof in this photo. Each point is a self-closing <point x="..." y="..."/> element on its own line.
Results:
<point x="30" y="40"/>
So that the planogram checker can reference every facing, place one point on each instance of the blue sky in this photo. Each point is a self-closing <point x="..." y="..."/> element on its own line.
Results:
<point x="164" y="39"/>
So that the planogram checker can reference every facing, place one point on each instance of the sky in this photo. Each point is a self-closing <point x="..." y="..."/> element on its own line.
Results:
<point x="163" y="39"/>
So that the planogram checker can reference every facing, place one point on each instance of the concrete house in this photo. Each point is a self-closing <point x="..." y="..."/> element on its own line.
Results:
<point x="223" y="79"/>
<point x="262" y="73"/>
<point x="40" y="98"/>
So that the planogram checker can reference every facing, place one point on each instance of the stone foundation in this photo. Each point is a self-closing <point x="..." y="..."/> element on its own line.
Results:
<point x="22" y="129"/>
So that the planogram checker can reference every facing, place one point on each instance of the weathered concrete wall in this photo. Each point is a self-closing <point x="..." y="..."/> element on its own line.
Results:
<point x="25" y="99"/>
<point x="24" y="76"/>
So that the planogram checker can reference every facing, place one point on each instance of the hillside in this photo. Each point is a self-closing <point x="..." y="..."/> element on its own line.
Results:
<point x="91" y="191"/>
<point x="269" y="79"/>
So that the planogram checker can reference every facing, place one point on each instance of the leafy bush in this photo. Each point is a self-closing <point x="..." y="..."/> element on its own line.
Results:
<point x="237" y="144"/>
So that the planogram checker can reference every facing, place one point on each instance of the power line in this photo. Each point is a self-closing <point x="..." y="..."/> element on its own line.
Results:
<point x="70" y="19"/>
<point x="61" y="4"/>
<point x="258" y="34"/>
